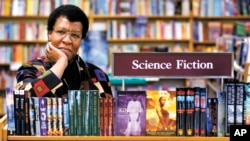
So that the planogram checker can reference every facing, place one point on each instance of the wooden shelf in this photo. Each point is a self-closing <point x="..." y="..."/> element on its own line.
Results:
<point x="113" y="138"/>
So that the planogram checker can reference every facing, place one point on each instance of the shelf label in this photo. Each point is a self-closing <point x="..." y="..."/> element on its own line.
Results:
<point x="239" y="132"/>
<point x="173" y="65"/>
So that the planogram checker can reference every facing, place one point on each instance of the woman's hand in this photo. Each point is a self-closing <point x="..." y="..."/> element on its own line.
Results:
<point x="59" y="59"/>
<point x="53" y="54"/>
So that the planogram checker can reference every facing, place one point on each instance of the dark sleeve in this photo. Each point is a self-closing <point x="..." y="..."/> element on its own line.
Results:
<point x="37" y="80"/>
<point x="100" y="80"/>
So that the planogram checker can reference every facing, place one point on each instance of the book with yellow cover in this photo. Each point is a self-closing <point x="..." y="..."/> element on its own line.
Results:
<point x="160" y="113"/>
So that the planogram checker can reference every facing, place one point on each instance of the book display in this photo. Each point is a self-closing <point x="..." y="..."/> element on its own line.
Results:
<point x="132" y="26"/>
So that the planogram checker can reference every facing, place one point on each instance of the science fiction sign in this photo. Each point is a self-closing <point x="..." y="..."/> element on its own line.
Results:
<point x="174" y="65"/>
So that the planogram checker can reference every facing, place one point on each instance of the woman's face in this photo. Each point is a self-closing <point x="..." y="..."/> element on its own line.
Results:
<point x="66" y="36"/>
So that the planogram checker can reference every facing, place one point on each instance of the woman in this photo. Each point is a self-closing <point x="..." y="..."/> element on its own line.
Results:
<point x="61" y="69"/>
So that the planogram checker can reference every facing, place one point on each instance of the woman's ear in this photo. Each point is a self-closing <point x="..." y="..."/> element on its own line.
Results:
<point x="49" y="35"/>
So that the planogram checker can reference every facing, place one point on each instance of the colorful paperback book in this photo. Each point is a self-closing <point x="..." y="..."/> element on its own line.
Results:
<point x="212" y="111"/>
<point x="160" y="113"/>
<point x="130" y="114"/>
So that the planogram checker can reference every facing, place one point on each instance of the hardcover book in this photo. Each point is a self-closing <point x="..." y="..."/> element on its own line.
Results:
<point x="130" y="114"/>
<point x="160" y="113"/>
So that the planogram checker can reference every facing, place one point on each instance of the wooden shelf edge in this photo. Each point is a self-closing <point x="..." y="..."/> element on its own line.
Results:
<point x="112" y="138"/>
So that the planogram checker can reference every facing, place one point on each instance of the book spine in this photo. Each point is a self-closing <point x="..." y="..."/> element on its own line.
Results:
<point x="78" y="112"/>
<point x="221" y="96"/>
<point x="239" y="103"/>
<point x="65" y="116"/>
<point x="9" y="94"/>
<point x="49" y="116"/>
<point x="212" y="105"/>
<point x="71" y="97"/>
<point x="32" y="117"/>
<point x="203" y="102"/>
<point x="60" y="116"/>
<point x="27" y="120"/>
<point x="105" y="116"/>
<point x="87" y="113"/>
<point x="95" y="112"/>
<point x="180" y="105"/>
<point x="43" y="116"/>
<point x="37" y="116"/>
<point x="247" y="104"/>
<point x="196" y="111"/>
<point x="17" y="112"/>
<point x="189" y="112"/>
<point x="54" y="117"/>
<point x="83" y="100"/>
<point x="230" y="107"/>
<point x="101" y="116"/>
<point x="111" y="116"/>
<point x="22" y="111"/>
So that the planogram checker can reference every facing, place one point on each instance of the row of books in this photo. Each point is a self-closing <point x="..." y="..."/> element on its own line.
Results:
<point x="36" y="7"/>
<point x="23" y="31"/>
<point x="141" y="7"/>
<point x="144" y="29"/>
<point x="220" y="7"/>
<point x="81" y="113"/>
<point x="11" y="53"/>
<point x="188" y="111"/>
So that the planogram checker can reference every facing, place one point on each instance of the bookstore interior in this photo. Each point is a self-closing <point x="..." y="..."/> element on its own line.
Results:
<point x="147" y="104"/>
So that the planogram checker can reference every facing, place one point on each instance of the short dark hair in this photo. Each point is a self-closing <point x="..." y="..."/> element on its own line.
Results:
<point x="72" y="13"/>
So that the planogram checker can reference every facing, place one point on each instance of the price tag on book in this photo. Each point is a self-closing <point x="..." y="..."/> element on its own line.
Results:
<point x="239" y="132"/>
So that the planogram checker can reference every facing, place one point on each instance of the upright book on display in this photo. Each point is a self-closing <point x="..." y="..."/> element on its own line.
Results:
<point x="160" y="113"/>
<point x="130" y="114"/>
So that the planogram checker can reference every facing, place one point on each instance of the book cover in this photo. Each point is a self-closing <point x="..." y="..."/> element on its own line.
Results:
<point x="130" y="113"/>
<point x="9" y="95"/>
<point x="160" y="113"/>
